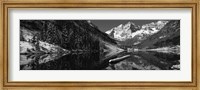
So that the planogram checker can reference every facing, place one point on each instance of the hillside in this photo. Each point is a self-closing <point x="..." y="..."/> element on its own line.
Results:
<point x="148" y="36"/>
<point x="169" y="36"/>
<point x="66" y="34"/>
<point x="131" y="34"/>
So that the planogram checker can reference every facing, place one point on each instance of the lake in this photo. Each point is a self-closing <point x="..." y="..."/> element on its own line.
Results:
<point x="141" y="60"/>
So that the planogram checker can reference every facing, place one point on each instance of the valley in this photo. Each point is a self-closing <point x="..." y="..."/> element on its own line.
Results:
<point x="81" y="45"/>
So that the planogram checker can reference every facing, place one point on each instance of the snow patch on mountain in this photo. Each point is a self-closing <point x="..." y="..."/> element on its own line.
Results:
<point x="123" y="32"/>
<point x="41" y="47"/>
<point x="26" y="47"/>
<point x="109" y="31"/>
<point x="50" y="48"/>
<point x="130" y="31"/>
<point x="162" y="37"/>
<point x="28" y="35"/>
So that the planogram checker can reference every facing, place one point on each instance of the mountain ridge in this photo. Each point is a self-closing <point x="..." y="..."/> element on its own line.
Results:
<point x="168" y="36"/>
<point x="141" y="38"/>
<point x="71" y="35"/>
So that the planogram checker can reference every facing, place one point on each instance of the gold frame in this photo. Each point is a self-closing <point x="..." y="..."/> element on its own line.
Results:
<point x="194" y="4"/>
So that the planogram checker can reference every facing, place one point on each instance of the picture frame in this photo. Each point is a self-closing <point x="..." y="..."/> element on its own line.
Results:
<point x="7" y="5"/>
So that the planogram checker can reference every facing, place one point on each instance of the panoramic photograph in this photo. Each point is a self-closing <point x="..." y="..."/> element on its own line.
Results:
<point x="99" y="44"/>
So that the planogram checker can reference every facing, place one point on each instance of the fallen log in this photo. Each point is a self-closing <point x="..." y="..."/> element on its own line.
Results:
<point x="119" y="59"/>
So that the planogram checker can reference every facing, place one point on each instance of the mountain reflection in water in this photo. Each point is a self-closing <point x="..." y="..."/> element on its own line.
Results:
<point x="96" y="61"/>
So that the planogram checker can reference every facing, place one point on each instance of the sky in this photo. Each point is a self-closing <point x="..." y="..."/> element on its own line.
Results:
<point x="105" y="25"/>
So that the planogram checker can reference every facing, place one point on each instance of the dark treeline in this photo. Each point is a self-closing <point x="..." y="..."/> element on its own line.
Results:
<point x="69" y="34"/>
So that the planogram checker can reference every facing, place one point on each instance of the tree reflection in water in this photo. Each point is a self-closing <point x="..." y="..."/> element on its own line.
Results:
<point x="98" y="61"/>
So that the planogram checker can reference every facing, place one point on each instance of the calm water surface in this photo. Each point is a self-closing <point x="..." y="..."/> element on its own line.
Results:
<point x="100" y="61"/>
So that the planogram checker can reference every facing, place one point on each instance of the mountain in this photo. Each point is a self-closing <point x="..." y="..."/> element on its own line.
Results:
<point x="168" y="36"/>
<point x="131" y="34"/>
<point x="123" y="32"/>
<point x="72" y="35"/>
<point x="41" y="47"/>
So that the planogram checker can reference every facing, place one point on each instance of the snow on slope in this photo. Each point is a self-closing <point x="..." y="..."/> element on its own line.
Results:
<point x="130" y="31"/>
<point x="28" y="35"/>
<point x="123" y="32"/>
<point x="50" y="48"/>
<point x="26" y="47"/>
<point x="42" y="47"/>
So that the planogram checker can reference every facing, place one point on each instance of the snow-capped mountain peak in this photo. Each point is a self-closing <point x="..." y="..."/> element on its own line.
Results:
<point x="109" y="31"/>
<point x="129" y="24"/>
<point x="132" y="31"/>
<point x="157" y="25"/>
<point x="120" y="26"/>
<point x="123" y="32"/>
